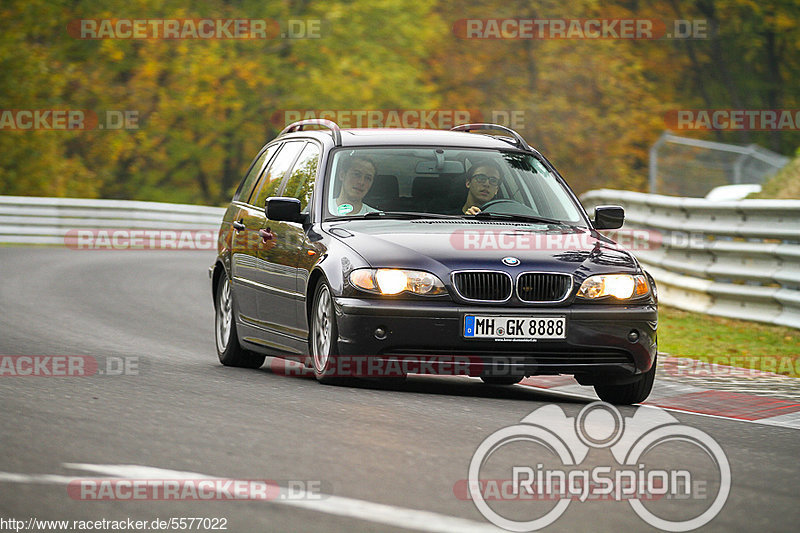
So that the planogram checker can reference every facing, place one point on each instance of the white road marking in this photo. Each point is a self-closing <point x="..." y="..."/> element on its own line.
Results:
<point x="135" y="471"/>
<point x="379" y="513"/>
<point x="10" y="477"/>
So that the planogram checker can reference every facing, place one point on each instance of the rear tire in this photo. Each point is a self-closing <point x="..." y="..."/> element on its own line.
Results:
<point x="229" y="350"/>
<point x="630" y="393"/>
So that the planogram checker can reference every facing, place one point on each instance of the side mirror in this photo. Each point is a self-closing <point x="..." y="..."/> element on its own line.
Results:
<point x="608" y="217"/>
<point x="280" y="208"/>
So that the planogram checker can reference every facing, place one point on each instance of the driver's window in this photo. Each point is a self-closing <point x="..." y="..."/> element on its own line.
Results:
<point x="354" y="177"/>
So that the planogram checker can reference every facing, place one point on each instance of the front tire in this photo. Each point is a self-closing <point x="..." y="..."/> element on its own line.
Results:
<point x="324" y="337"/>
<point x="229" y="350"/>
<point x="630" y="393"/>
<point x="501" y="380"/>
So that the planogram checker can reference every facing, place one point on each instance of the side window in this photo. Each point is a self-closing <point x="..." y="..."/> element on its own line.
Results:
<point x="270" y="182"/>
<point x="249" y="181"/>
<point x="301" y="180"/>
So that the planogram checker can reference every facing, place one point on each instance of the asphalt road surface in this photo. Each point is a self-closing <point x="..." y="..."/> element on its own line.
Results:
<point x="374" y="457"/>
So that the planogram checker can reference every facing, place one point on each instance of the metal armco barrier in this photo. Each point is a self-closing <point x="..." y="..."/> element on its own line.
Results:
<point x="734" y="259"/>
<point x="35" y="220"/>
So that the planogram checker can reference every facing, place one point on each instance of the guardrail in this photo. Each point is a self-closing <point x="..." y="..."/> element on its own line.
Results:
<point x="733" y="259"/>
<point x="35" y="220"/>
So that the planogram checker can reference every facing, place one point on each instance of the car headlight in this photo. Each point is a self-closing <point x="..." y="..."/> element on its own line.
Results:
<point x="620" y="286"/>
<point x="394" y="281"/>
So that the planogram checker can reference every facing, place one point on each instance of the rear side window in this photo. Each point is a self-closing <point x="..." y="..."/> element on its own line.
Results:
<point x="271" y="180"/>
<point x="249" y="181"/>
<point x="301" y="180"/>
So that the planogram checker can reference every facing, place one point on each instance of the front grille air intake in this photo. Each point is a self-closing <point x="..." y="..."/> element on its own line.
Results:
<point x="543" y="287"/>
<point x="483" y="286"/>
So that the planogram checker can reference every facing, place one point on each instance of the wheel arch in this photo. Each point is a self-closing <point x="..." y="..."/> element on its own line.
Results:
<point x="219" y="271"/>
<point x="313" y="280"/>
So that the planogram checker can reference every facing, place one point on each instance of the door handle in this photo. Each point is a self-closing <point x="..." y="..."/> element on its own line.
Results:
<point x="238" y="225"/>
<point x="266" y="234"/>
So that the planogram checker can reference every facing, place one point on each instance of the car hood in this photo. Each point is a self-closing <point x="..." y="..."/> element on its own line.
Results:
<point x="442" y="244"/>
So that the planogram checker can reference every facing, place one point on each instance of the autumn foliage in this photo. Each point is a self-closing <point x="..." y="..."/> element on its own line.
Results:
<point x="203" y="106"/>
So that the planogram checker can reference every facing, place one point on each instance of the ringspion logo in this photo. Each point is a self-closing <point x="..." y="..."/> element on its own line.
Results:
<point x="548" y="454"/>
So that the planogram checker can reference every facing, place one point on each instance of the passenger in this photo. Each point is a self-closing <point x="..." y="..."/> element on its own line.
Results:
<point x="483" y="181"/>
<point x="358" y="173"/>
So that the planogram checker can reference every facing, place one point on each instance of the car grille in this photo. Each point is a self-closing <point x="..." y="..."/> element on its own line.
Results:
<point x="543" y="287"/>
<point x="483" y="286"/>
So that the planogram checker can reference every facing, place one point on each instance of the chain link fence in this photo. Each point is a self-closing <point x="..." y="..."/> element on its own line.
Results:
<point x="682" y="166"/>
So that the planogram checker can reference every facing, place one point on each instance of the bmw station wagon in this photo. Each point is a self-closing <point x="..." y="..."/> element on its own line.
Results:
<point x="461" y="247"/>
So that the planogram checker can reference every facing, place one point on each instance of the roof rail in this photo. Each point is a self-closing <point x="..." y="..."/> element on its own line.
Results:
<point x="520" y="142"/>
<point x="331" y="125"/>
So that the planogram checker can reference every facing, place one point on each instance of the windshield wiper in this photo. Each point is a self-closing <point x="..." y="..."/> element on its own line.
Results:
<point x="394" y="214"/>
<point x="521" y="218"/>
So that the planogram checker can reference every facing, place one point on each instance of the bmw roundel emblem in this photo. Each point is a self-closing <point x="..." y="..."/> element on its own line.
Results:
<point x="511" y="261"/>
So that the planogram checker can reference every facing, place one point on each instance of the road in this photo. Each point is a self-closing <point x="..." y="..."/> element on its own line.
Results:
<point x="384" y="457"/>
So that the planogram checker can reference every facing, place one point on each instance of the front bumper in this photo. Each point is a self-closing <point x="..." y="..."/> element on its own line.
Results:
<point x="596" y="349"/>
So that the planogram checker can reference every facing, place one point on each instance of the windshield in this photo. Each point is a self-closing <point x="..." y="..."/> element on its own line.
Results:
<point x="446" y="182"/>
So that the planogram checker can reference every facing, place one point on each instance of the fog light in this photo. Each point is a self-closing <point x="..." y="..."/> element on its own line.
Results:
<point x="633" y="336"/>
<point x="380" y="333"/>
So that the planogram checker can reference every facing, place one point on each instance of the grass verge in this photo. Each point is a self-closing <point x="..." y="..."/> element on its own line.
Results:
<point x="785" y="184"/>
<point x="729" y="342"/>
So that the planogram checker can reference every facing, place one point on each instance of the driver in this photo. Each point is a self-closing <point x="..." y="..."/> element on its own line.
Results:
<point x="357" y="178"/>
<point x="483" y="181"/>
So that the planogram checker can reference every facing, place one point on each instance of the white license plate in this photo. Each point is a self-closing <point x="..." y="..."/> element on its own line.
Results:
<point x="515" y="327"/>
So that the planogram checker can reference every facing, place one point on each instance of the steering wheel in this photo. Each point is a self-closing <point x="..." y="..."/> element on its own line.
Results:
<point x="498" y="202"/>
